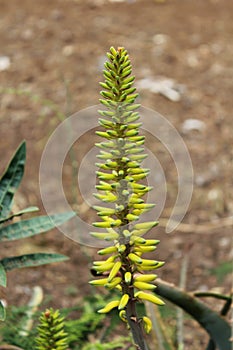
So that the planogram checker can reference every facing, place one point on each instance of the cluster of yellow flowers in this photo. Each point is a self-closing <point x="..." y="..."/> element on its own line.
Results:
<point x="120" y="174"/>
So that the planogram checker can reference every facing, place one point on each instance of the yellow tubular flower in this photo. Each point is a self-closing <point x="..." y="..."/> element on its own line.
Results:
<point x="111" y="259"/>
<point x="137" y="240"/>
<point x="145" y="278"/>
<point x="109" y="307"/>
<point x="144" y="249"/>
<point x="147" y="324"/>
<point x="143" y="285"/>
<point x="121" y="248"/>
<point x="100" y="282"/>
<point x="135" y="258"/>
<point x="149" y="297"/>
<point x="108" y="250"/>
<point x="128" y="277"/>
<point x="114" y="271"/>
<point x="149" y="262"/>
<point x="140" y="232"/>
<point x="123" y="302"/>
<point x="115" y="281"/>
<point x="143" y="268"/>
<point x="122" y="315"/>
<point x="146" y="225"/>
<point x="151" y="242"/>
<point x="104" y="235"/>
<point x="132" y="217"/>
<point x="104" y="267"/>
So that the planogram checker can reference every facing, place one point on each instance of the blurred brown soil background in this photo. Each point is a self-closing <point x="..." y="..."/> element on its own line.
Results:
<point x="55" y="52"/>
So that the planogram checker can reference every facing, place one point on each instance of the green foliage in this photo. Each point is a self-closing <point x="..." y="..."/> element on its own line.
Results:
<point x="11" y="329"/>
<point x="9" y="183"/>
<point x="87" y="323"/>
<point x="80" y="323"/>
<point x="51" y="333"/>
<point x="117" y="343"/>
<point x="222" y="270"/>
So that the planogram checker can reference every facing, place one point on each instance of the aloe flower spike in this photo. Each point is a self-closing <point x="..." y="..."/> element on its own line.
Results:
<point x="120" y="176"/>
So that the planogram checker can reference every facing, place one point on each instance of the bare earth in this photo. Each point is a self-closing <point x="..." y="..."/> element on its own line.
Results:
<point x="56" y="50"/>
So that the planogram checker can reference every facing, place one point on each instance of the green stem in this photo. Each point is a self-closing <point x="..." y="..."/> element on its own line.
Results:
<point x="135" y="325"/>
<point x="213" y="295"/>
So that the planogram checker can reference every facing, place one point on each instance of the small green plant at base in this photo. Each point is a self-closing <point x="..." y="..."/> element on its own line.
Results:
<point x="51" y="333"/>
<point x="81" y="323"/>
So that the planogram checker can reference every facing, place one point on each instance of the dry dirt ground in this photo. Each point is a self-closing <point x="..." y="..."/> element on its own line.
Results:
<point x="56" y="50"/>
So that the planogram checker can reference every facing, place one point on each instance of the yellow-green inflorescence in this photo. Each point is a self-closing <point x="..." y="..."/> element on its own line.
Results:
<point x="51" y="333"/>
<point x="120" y="187"/>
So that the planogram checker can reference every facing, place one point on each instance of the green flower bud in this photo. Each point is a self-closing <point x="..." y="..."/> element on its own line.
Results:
<point x="106" y="123"/>
<point x="103" y="134"/>
<point x="108" y="197"/>
<point x="105" y="86"/>
<point x="132" y="217"/>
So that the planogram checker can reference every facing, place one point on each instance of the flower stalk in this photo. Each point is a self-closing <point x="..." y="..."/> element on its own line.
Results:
<point x="121" y="189"/>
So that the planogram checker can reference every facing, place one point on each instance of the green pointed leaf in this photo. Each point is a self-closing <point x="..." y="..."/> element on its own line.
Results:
<point x="11" y="179"/>
<point x="34" y="226"/>
<point x="19" y="213"/>
<point x="2" y="312"/>
<point x="2" y="276"/>
<point x="31" y="260"/>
